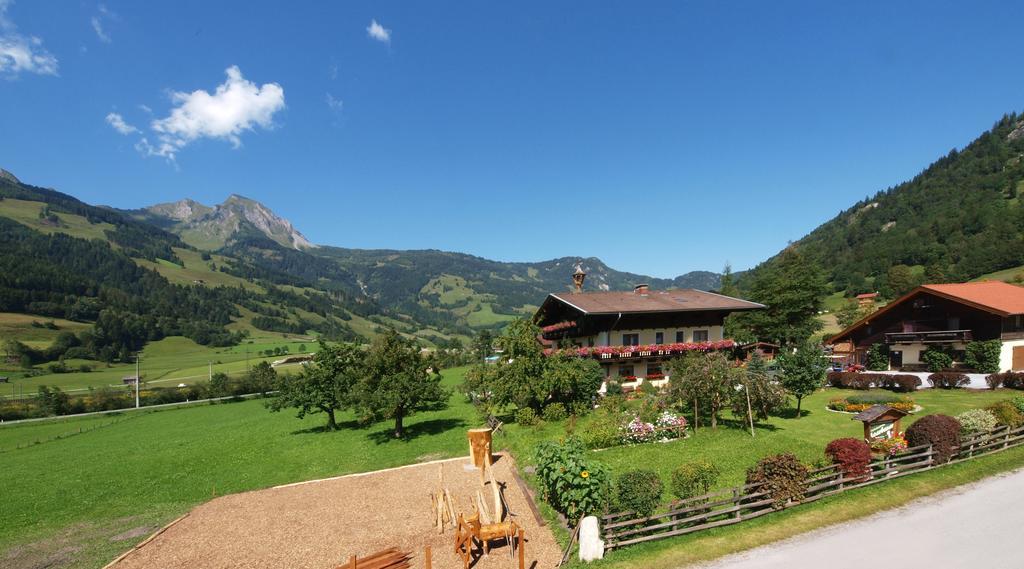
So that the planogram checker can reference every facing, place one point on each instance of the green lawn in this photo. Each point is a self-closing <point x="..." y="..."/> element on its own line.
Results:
<point x="154" y="465"/>
<point x="153" y="468"/>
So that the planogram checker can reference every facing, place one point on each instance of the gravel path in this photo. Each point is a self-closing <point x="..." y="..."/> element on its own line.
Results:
<point x="319" y="524"/>
<point x="977" y="525"/>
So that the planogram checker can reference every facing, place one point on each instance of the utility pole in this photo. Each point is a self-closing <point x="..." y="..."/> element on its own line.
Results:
<point x="138" y="379"/>
<point x="211" y="371"/>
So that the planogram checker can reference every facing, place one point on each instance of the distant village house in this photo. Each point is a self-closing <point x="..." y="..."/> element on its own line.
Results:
<point x="947" y="315"/>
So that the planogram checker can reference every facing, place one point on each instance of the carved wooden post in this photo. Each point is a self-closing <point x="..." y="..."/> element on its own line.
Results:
<point x="479" y="447"/>
<point x="426" y="557"/>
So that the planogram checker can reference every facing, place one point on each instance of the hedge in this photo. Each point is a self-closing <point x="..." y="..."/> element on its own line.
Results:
<point x="948" y="380"/>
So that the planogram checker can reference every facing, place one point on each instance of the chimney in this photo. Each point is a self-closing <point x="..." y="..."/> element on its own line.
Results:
<point x="641" y="289"/>
<point x="578" y="277"/>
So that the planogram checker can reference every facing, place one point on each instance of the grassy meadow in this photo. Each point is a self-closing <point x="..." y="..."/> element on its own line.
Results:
<point x="128" y="473"/>
<point x="166" y="362"/>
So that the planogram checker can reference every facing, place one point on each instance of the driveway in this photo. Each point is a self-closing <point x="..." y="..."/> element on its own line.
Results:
<point x="977" y="525"/>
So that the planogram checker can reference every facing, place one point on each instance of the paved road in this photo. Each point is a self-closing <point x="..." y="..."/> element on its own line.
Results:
<point x="973" y="526"/>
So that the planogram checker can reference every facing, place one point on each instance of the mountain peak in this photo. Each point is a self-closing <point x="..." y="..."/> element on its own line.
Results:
<point x="6" y="175"/>
<point x="208" y="227"/>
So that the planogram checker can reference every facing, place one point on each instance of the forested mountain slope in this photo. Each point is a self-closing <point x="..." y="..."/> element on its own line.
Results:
<point x="958" y="219"/>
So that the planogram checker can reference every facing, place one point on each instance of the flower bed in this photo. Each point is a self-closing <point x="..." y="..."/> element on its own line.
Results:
<point x="669" y="426"/>
<point x="858" y="403"/>
<point x="558" y="327"/>
<point x="646" y="350"/>
<point x="891" y="446"/>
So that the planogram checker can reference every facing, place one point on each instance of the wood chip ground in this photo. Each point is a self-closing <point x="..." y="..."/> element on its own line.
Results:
<point x="319" y="524"/>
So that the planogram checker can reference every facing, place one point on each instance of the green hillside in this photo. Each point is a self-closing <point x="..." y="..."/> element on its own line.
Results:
<point x="959" y="219"/>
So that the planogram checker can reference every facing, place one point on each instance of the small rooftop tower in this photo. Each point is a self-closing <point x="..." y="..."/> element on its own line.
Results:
<point x="578" y="277"/>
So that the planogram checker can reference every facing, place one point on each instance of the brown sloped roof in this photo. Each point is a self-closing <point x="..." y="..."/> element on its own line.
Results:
<point x="674" y="300"/>
<point x="876" y="411"/>
<point x="996" y="297"/>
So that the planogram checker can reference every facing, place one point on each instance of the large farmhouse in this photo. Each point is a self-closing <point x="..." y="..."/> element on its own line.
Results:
<point x="947" y="315"/>
<point x="632" y="334"/>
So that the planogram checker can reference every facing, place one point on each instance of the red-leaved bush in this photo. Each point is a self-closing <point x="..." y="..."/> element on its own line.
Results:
<point x="852" y="455"/>
<point x="940" y="431"/>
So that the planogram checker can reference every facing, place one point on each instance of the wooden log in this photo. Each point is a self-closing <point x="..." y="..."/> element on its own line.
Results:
<point x="426" y="557"/>
<point x="522" y="550"/>
<point x="479" y="446"/>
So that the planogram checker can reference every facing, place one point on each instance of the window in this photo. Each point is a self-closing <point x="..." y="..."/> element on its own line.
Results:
<point x="700" y="335"/>
<point x="654" y="370"/>
<point x="631" y="339"/>
<point x="680" y="336"/>
<point x="659" y="337"/>
<point x="590" y="342"/>
<point x="626" y="371"/>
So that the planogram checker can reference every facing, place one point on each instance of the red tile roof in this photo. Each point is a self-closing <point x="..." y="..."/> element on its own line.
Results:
<point x="674" y="300"/>
<point x="995" y="296"/>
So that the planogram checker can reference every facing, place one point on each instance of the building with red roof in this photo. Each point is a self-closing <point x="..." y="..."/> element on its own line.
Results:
<point x="945" y="315"/>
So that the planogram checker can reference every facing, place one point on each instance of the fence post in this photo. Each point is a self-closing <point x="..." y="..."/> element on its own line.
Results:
<point x="736" y="501"/>
<point x="931" y="457"/>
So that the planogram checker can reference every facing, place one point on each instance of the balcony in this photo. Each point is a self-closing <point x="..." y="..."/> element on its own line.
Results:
<point x="931" y="337"/>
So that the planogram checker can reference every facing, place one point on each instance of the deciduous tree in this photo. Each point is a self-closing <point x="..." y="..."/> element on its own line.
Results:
<point x="803" y="371"/>
<point x="325" y="386"/>
<point x="399" y="380"/>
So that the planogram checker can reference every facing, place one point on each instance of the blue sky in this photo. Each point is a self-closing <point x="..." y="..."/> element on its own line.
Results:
<point x="661" y="137"/>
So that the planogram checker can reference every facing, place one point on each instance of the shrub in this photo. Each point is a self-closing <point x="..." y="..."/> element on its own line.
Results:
<point x="852" y="455"/>
<point x="526" y="417"/>
<point x="1007" y="414"/>
<point x="693" y="479"/>
<point x="579" y="408"/>
<point x="783" y="476"/>
<point x="639" y="491"/>
<point x="1009" y="379"/>
<point x="613" y="387"/>
<point x="1018" y="402"/>
<point x="940" y="431"/>
<point x="554" y="412"/>
<point x="902" y="382"/>
<point x="937" y="359"/>
<point x="976" y="421"/>
<point x="604" y="431"/>
<point x="572" y="482"/>
<point x="835" y="378"/>
<point x="994" y="380"/>
<point x="983" y="356"/>
<point x="878" y="357"/>
<point x="948" y="380"/>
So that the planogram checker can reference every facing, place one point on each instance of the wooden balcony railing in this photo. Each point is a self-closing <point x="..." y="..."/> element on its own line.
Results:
<point x="933" y="336"/>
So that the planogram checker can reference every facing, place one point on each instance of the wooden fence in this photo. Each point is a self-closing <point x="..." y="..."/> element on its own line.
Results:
<point x="749" y="501"/>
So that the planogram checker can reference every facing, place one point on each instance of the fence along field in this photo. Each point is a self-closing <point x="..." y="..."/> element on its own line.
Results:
<point x="746" y="502"/>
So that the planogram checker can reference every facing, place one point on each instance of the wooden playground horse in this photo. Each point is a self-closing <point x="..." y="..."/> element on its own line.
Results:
<point x="469" y="532"/>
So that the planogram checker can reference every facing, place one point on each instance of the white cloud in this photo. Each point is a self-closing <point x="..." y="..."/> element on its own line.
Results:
<point x="146" y="109"/>
<point x="117" y="121"/>
<point x="336" y="105"/>
<point x="97" y="26"/>
<point x="236" y="106"/>
<point x="19" y="52"/>
<point x="378" y="32"/>
<point x="97" y="21"/>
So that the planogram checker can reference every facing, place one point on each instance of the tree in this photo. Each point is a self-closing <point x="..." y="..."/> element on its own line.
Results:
<point x="525" y="377"/>
<point x="851" y="312"/>
<point x="399" y="380"/>
<point x="792" y="288"/>
<point x="707" y="380"/>
<point x="766" y="395"/>
<point x="803" y="371"/>
<point x="728" y="282"/>
<point x="263" y="377"/>
<point x="218" y="384"/>
<point x="483" y="345"/>
<point x="899" y="280"/>
<point x="325" y="386"/>
<point x="53" y="400"/>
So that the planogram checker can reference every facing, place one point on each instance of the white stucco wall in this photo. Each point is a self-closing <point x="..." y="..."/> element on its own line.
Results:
<point x="1006" y="354"/>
